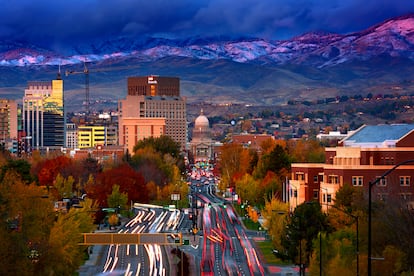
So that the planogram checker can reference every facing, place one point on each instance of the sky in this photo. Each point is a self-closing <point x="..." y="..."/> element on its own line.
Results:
<point x="61" y="22"/>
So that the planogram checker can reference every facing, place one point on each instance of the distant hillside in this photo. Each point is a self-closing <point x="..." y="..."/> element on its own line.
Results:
<point x="249" y="71"/>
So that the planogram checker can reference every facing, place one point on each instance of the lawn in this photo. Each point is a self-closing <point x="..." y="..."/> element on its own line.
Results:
<point x="266" y="248"/>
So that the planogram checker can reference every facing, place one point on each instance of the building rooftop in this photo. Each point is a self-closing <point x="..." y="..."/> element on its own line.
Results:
<point x="378" y="135"/>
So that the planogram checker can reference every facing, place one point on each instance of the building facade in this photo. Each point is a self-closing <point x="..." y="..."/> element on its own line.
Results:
<point x="91" y="136"/>
<point x="43" y="114"/>
<point x="358" y="160"/>
<point x="136" y="129"/>
<point x="152" y="98"/>
<point x="154" y="86"/>
<point x="8" y="120"/>
<point x="202" y="147"/>
<point x="71" y="136"/>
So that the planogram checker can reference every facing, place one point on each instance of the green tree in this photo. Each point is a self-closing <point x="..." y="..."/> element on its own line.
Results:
<point x="277" y="161"/>
<point x="21" y="167"/>
<point x="117" y="199"/>
<point x="163" y="144"/>
<point x="303" y="227"/>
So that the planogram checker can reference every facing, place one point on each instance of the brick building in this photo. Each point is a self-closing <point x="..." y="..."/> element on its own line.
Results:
<point x="358" y="160"/>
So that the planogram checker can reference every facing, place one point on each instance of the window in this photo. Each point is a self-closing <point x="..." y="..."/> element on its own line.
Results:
<point x="333" y="179"/>
<point x="315" y="194"/>
<point x="357" y="180"/>
<point x="329" y="198"/>
<point x="315" y="179"/>
<point x="382" y="181"/>
<point x="404" y="181"/>
<point x="300" y="176"/>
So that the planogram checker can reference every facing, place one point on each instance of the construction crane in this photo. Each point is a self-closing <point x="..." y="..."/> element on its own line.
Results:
<point x="86" y="72"/>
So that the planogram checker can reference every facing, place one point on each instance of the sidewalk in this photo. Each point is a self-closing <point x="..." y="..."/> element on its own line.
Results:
<point x="91" y="266"/>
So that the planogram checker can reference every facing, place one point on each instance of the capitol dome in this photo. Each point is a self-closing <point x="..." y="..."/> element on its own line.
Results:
<point x="201" y="122"/>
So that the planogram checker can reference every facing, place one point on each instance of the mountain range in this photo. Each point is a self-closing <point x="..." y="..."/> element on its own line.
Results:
<point x="253" y="71"/>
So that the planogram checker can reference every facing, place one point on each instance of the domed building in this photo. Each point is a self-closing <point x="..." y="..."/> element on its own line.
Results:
<point x="202" y="144"/>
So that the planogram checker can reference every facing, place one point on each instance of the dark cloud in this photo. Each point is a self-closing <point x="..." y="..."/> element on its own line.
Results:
<point x="59" y="22"/>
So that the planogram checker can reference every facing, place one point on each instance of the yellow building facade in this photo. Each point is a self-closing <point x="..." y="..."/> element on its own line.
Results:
<point x="91" y="136"/>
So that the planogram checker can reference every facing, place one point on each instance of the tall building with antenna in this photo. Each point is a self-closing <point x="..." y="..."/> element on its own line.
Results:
<point x="43" y="117"/>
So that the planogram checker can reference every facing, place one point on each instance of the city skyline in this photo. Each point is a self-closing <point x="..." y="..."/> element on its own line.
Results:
<point x="57" y="24"/>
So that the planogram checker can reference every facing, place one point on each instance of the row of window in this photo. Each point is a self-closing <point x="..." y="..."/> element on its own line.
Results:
<point x="357" y="180"/>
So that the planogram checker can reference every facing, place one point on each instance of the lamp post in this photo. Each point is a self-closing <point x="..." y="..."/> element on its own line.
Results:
<point x="371" y="184"/>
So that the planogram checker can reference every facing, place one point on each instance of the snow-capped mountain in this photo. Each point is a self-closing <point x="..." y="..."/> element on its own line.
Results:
<point x="393" y="38"/>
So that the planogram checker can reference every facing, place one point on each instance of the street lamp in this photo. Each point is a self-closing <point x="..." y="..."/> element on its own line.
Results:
<point x="371" y="184"/>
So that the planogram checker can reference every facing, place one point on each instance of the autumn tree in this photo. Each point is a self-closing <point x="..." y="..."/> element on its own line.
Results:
<point x="63" y="254"/>
<point x="306" y="151"/>
<point x="248" y="189"/>
<point x="275" y="214"/>
<point x="48" y="169"/>
<point x="234" y="160"/>
<point x="271" y="185"/>
<point x="117" y="199"/>
<point x="129" y="181"/>
<point x="64" y="187"/>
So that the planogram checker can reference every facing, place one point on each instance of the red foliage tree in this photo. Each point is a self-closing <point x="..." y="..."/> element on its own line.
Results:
<point x="48" y="169"/>
<point x="129" y="181"/>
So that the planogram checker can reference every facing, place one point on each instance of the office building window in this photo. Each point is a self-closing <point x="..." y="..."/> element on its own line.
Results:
<point x="357" y="180"/>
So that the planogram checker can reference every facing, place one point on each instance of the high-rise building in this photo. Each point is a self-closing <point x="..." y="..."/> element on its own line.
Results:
<point x="71" y="136"/>
<point x="171" y="108"/>
<point x="43" y="114"/>
<point x="8" y="119"/>
<point x="154" y="86"/>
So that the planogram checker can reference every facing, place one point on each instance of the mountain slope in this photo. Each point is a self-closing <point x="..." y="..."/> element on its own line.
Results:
<point x="255" y="71"/>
